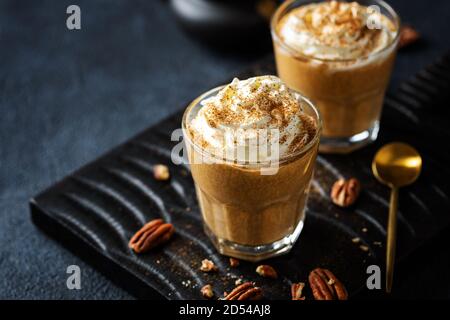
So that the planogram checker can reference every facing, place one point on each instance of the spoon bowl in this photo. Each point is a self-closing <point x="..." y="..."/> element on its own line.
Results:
<point x="397" y="164"/>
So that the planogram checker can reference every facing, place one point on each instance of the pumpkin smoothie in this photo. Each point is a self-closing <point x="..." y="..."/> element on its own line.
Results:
<point x="340" y="54"/>
<point x="234" y="134"/>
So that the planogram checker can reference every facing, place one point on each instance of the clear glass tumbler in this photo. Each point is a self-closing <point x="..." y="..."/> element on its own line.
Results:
<point x="246" y="214"/>
<point x="349" y="92"/>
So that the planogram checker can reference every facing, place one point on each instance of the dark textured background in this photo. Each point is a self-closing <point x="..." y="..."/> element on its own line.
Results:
<point x="66" y="97"/>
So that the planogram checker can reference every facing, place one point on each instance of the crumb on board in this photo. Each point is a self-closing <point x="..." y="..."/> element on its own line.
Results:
<point x="364" y="248"/>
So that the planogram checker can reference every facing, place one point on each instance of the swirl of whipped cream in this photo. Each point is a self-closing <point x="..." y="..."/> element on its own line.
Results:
<point x="334" y="30"/>
<point x="257" y="112"/>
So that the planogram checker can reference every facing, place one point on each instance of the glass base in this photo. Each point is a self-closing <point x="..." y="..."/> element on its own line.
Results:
<point x="254" y="253"/>
<point x="349" y="144"/>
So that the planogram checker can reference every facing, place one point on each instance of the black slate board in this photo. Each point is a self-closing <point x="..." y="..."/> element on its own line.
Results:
<point x="95" y="210"/>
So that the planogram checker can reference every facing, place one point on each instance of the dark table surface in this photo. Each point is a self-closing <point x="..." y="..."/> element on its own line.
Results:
<point x="66" y="97"/>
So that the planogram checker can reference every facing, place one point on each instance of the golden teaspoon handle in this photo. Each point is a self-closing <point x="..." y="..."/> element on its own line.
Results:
<point x="391" y="238"/>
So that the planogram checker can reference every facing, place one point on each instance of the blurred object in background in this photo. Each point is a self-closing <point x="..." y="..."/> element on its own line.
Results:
<point x="227" y="22"/>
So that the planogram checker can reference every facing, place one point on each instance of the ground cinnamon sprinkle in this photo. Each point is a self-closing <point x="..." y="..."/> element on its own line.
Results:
<point x="305" y="136"/>
<point x="212" y="123"/>
<point x="253" y="104"/>
<point x="357" y="29"/>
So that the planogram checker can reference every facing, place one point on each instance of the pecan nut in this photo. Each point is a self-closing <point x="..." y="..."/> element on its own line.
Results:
<point x="208" y="266"/>
<point x="151" y="235"/>
<point x="408" y="35"/>
<point x="245" y="291"/>
<point x="345" y="192"/>
<point x="296" y="291"/>
<point x="207" y="291"/>
<point x="161" y="172"/>
<point x="266" y="271"/>
<point x="325" y="285"/>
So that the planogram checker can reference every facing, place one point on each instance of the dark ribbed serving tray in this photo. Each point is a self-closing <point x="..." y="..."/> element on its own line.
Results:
<point x="95" y="210"/>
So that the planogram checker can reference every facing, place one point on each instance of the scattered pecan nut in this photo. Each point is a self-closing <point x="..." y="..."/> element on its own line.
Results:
<point x="234" y="262"/>
<point x="296" y="291"/>
<point x="245" y="291"/>
<point x="208" y="266"/>
<point x="161" y="172"/>
<point x="152" y="234"/>
<point x="345" y="192"/>
<point x="408" y="36"/>
<point x="266" y="271"/>
<point x="325" y="285"/>
<point x="207" y="291"/>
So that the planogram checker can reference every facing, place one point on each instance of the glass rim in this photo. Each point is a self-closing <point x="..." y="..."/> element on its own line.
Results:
<point x="296" y="54"/>
<point x="281" y="160"/>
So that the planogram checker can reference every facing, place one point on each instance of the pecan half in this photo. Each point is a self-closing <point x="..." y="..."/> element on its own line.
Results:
<point x="245" y="291"/>
<point x="234" y="262"/>
<point x="408" y="35"/>
<point x="345" y="192"/>
<point x="152" y="234"/>
<point x="207" y="291"/>
<point x="266" y="271"/>
<point x="296" y="291"/>
<point x="325" y="285"/>
<point x="161" y="172"/>
<point x="208" y="266"/>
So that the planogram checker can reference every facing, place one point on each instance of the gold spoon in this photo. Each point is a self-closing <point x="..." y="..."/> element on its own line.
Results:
<point x="396" y="165"/>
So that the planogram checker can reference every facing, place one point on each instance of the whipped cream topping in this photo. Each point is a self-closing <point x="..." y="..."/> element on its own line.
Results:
<point x="334" y="30"/>
<point x="249" y="114"/>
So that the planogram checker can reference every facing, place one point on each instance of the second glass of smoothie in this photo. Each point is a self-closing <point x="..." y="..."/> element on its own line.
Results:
<point x="251" y="208"/>
<point x="340" y="54"/>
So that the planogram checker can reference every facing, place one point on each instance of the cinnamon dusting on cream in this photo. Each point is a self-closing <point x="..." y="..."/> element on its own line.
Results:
<point x="336" y="30"/>
<point x="247" y="107"/>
